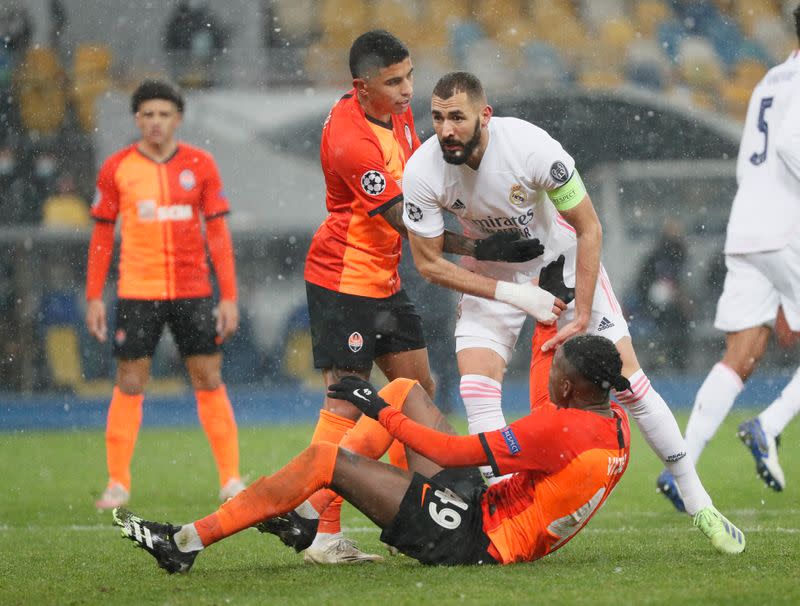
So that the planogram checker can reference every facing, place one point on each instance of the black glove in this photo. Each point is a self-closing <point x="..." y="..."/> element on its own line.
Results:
<point x="507" y="246"/>
<point x="551" y="279"/>
<point x="359" y="393"/>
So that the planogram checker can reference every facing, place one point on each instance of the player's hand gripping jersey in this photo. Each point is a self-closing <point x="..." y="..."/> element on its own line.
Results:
<point x="355" y="250"/>
<point x="766" y="209"/>
<point x="521" y="168"/>
<point x="565" y="464"/>
<point x="163" y="250"/>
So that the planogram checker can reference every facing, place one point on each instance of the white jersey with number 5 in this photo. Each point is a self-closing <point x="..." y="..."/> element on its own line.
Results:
<point x="766" y="209"/>
<point x="507" y="193"/>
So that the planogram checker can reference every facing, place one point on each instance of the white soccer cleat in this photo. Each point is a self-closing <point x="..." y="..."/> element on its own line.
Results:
<point x="115" y="495"/>
<point x="232" y="487"/>
<point x="764" y="449"/>
<point x="339" y="551"/>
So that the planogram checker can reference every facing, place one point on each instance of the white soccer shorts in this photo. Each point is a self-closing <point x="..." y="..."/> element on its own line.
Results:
<point x="756" y="285"/>
<point x="494" y="325"/>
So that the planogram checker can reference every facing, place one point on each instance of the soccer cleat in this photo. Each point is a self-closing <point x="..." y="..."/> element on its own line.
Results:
<point x="115" y="495"/>
<point x="156" y="539"/>
<point x="725" y="537"/>
<point x="232" y="487"/>
<point x="292" y="529"/>
<point x="666" y="485"/>
<point x="764" y="449"/>
<point x="339" y="551"/>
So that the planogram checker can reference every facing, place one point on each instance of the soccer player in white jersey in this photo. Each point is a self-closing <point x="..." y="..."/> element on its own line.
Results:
<point x="762" y="254"/>
<point x="505" y="174"/>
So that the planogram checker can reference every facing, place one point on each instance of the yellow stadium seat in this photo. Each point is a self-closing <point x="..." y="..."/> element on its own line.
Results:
<point x="648" y="15"/>
<point x="498" y="17"/>
<point x="298" y="360"/>
<point x="39" y="85"/>
<point x="748" y="72"/>
<point x="65" y="210"/>
<point x="398" y="17"/>
<point x="444" y="12"/>
<point x="600" y="79"/>
<point x="735" y="99"/>
<point x="749" y="12"/>
<point x="90" y="79"/>
<point x="343" y="21"/>
<point x="62" y="348"/>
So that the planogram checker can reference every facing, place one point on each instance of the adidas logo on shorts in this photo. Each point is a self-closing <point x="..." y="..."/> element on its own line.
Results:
<point x="604" y="323"/>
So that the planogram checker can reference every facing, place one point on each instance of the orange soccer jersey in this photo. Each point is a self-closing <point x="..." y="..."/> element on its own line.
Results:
<point x="355" y="251"/>
<point x="162" y="206"/>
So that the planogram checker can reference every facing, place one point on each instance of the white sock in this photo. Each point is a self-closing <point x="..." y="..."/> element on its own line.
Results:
<point x="661" y="431"/>
<point x="483" y="401"/>
<point x="187" y="539"/>
<point x="777" y="416"/>
<point x="323" y="539"/>
<point x="712" y="403"/>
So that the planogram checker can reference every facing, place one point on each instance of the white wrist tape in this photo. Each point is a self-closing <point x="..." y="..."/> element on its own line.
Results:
<point x="529" y="298"/>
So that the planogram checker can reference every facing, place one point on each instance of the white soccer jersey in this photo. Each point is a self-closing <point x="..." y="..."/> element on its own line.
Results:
<point x="766" y="209"/>
<point x="508" y="193"/>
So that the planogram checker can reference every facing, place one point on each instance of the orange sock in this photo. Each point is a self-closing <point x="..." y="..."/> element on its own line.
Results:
<point x="367" y="438"/>
<point x="331" y="428"/>
<point x="216" y="416"/>
<point x="122" y="427"/>
<point x="269" y="496"/>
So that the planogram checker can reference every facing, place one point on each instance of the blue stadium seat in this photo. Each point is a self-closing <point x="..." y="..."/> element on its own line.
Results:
<point x="670" y="35"/>
<point x="463" y="34"/>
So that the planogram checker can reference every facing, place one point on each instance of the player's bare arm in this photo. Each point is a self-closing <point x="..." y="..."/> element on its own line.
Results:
<point x="587" y="266"/>
<point x="507" y="247"/>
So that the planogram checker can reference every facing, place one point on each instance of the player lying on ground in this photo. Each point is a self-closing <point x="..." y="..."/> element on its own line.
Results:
<point x="565" y="457"/>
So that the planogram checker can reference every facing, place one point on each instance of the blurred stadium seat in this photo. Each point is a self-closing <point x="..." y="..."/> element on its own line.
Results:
<point x="39" y="86"/>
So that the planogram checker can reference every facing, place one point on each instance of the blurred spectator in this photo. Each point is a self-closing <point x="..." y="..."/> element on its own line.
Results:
<point x="194" y="39"/>
<point x="12" y="186"/>
<point x="661" y="295"/>
<point x="15" y="28"/>
<point x="65" y="208"/>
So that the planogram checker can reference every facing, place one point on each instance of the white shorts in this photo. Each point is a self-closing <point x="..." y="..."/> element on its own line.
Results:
<point x="494" y="325"/>
<point x="756" y="285"/>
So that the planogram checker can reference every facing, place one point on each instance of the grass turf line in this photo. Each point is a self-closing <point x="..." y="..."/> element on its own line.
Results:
<point x="55" y="549"/>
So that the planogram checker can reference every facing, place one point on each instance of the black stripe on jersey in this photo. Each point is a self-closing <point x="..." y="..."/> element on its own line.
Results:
<point x="386" y="206"/>
<point x="620" y="435"/>
<point x="346" y="96"/>
<point x="99" y="220"/>
<point x="217" y="216"/>
<point x="387" y="125"/>
<point x="489" y="454"/>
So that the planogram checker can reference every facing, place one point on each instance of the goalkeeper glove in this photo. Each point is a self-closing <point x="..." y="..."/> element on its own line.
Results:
<point x="359" y="393"/>
<point x="507" y="246"/>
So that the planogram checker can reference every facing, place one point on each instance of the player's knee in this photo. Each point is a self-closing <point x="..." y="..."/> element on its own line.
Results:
<point x="206" y="382"/>
<point x="131" y="383"/>
<point x="429" y="385"/>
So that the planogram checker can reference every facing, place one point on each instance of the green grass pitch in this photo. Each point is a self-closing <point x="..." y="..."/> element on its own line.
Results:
<point x="56" y="549"/>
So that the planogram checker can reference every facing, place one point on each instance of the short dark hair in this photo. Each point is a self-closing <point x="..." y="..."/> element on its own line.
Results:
<point x="374" y="50"/>
<point x="597" y="359"/>
<point x="796" y="14"/>
<point x="459" y="82"/>
<point x="156" y="89"/>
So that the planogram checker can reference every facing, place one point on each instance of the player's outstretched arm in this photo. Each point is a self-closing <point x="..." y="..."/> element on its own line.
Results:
<point x="101" y="248"/>
<point x="443" y="449"/>
<point x="434" y="267"/>
<point x="587" y="266"/>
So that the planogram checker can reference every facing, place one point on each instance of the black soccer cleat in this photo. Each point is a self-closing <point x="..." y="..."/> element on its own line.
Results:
<point x="292" y="529"/>
<point x="156" y="539"/>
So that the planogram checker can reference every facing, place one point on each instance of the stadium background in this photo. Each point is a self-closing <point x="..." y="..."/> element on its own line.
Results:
<point x="648" y="96"/>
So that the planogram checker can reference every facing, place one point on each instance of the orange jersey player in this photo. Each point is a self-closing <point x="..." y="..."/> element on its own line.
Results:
<point x="164" y="193"/>
<point x="566" y="457"/>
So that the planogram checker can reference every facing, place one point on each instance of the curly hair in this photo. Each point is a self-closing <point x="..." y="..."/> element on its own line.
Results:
<point x="597" y="359"/>
<point x="156" y="89"/>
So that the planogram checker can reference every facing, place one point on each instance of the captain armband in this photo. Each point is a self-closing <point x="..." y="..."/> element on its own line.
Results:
<point x="570" y="194"/>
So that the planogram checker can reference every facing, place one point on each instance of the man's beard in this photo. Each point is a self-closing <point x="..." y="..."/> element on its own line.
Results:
<point x="460" y="156"/>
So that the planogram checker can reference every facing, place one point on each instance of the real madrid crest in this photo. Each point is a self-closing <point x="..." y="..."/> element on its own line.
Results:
<point x="517" y="196"/>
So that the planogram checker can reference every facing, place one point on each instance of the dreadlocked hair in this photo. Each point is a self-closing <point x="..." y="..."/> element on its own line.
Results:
<point x="597" y="360"/>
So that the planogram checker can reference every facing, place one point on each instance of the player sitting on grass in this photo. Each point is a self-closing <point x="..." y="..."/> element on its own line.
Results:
<point x="565" y="457"/>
